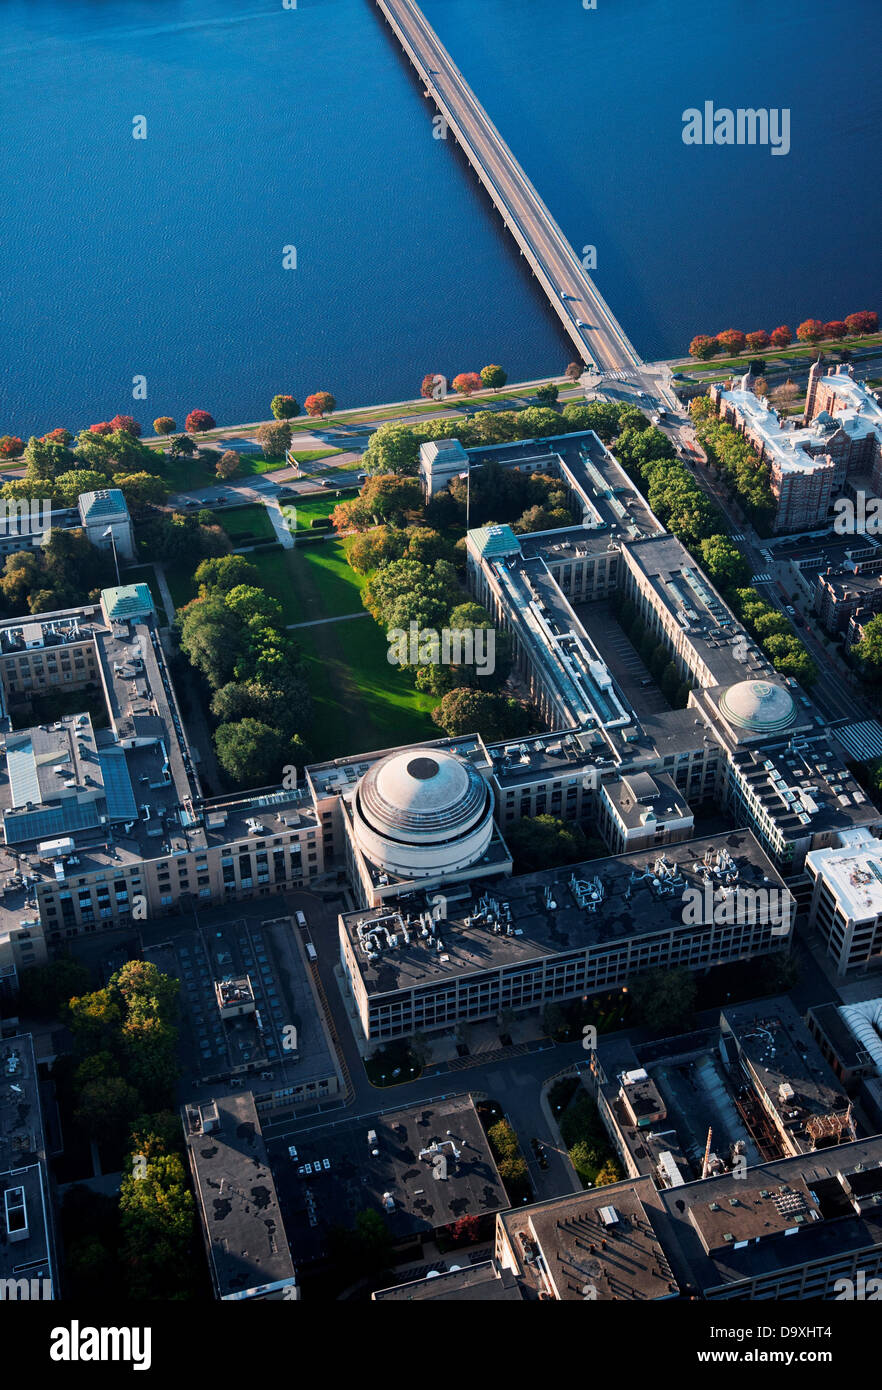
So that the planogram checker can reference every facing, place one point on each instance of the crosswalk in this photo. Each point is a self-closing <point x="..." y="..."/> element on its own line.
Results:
<point x="760" y="579"/>
<point x="618" y="376"/>
<point x="737" y="536"/>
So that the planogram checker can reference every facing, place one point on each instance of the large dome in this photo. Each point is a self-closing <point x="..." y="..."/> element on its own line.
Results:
<point x="759" y="706"/>
<point x="423" y="812"/>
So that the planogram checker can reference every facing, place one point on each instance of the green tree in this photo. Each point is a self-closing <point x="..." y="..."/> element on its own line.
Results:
<point x="664" y="999"/>
<point x="284" y="407"/>
<point x="252" y="753"/>
<point x="493" y="716"/>
<point x="538" y="842"/>
<point x="493" y="377"/>
<point x="393" y="448"/>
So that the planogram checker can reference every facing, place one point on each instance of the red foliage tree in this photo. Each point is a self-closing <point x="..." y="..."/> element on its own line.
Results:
<point x="702" y="347"/>
<point x="198" y="421"/>
<point x="127" y="423"/>
<point x="781" y="337"/>
<point x="466" y="383"/>
<point x="427" y="388"/>
<point x="732" y="340"/>
<point x="466" y="1231"/>
<point x="810" y="331"/>
<point x="758" y="341"/>
<point x="865" y="321"/>
<point x="835" y="329"/>
<point x="11" y="447"/>
<point x="59" y="436"/>
<point x="319" y="404"/>
<point x="103" y="427"/>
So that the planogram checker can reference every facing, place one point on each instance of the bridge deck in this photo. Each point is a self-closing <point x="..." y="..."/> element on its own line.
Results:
<point x="540" y="239"/>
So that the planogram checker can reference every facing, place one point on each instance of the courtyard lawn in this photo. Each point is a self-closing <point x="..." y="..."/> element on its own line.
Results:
<point x="312" y="455"/>
<point x="311" y="583"/>
<point x="361" y="702"/>
<point x="310" y="508"/>
<point x="246" y="523"/>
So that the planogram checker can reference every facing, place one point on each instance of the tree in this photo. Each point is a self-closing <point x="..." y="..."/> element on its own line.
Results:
<point x="429" y="383"/>
<point x="274" y="439"/>
<point x="574" y="371"/>
<point x="227" y="465"/>
<point x="865" y="321"/>
<point x="164" y="424"/>
<point x="182" y="446"/>
<point x="545" y="841"/>
<point x="226" y="572"/>
<point x="320" y="403"/>
<point x="251" y="752"/>
<point x="548" y="393"/>
<point x="786" y="393"/>
<point x="128" y="423"/>
<point x="664" y="999"/>
<point x="810" y="331"/>
<point x="393" y="448"/>
<point x="869" y="648"/>
<point x="493" y="377"/>
<point x="284" y="407"/>
<point x="376" y="547"/>
<point x="68" y="486"/>
<point x="11" y="447"/>
<point x="836" y="329"/>
<point x="44" y="988"/>
<point x="198" y="422"/>
<point x="140" y="488"/>
<point x="781" y="337"/>
<point x="157" y="1228"/>
<point x="391" y="498"/>
<point x="493" y="716"/>
<point x="703" y="347"/>
<point x="103" y="427"/>
<point x="759" y="340"/>
<point x="724" y="562"/>
<point x="466" y="383"/>
<point x="732" y="340"/>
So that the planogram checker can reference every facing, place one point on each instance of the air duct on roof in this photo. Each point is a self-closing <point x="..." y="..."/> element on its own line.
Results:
<point x="865" y="1022"/>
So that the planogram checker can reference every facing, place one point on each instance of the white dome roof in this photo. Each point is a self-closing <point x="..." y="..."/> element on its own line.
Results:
<point x="759" y="706"/>
<point x="422" y="812"/>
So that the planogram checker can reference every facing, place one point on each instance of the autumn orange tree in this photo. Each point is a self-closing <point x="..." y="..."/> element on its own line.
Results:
<point x="466" y="383"/>
<point x="319" y="404"/>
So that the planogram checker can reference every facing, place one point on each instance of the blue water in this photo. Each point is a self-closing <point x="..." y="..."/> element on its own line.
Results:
<point x="268" y="127"/>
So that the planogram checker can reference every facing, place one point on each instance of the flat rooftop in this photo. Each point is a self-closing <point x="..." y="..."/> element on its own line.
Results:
<point x="549" y="912"/>
<point x="804" y="787"/>
<point x="786" y="1064"/>
<point x="479" y="1283"/>
<point x="854" y="875"/>
<point x="432" y="1165"/>
<point x="599" y="1245"/>
<point x="246" y="1239"/>
<point x="25" y="1222"/>
<point x="728" y="1228"/>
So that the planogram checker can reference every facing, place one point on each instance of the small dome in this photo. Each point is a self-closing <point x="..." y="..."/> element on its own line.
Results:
<point x="423" y="810"/>
<point x="759" y="706"/>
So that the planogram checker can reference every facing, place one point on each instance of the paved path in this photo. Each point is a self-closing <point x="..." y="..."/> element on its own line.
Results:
<point x="322" y="622"/>
<point x="168" y="602"/>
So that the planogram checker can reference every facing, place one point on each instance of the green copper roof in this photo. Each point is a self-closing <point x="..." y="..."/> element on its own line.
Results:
<point x="127" y="601"/>
<point x="495" y="541"/>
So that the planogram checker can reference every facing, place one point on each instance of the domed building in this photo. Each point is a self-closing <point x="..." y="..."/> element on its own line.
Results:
<point x="422" y="813"/>
<point x="758" y="707"/>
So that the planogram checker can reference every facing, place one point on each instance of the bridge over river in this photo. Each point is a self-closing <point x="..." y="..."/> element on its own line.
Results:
<point x="596" y="334"/>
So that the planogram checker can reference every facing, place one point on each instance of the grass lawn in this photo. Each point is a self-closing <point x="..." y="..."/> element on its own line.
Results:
<point x="310" y="508"/>
<point x="313" y="582"/>
<point x="361" y="702"/>
<point x="311" y="455"/>
<point x="183" y="474"/>
<point x="244" y="523"/>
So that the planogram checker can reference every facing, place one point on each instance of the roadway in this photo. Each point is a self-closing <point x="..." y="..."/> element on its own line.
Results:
<point x="586" y="317"/>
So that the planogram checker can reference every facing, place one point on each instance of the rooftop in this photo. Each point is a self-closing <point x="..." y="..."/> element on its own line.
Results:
<point x="854" y="875"/>
<point x="586" y="906"/>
